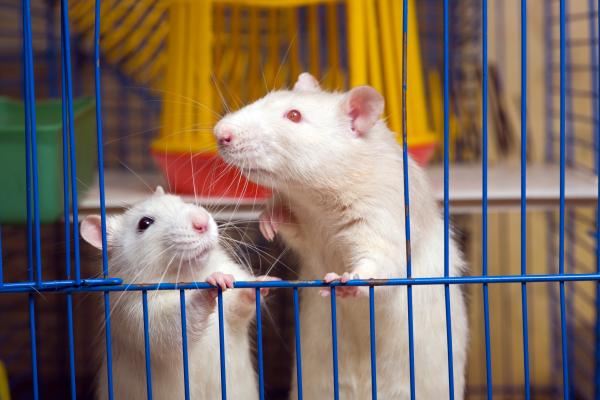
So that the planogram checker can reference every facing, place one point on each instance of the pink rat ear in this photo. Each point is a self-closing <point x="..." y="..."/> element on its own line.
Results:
<point x="307" y="83"/>
<point x="91" y="230"/>
<point x="364" y="105"/>
<point x="159" y="190"/>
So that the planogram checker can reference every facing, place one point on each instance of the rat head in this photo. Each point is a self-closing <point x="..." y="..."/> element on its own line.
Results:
<point x="304" y="135"/>
<point x="157" y="237"/>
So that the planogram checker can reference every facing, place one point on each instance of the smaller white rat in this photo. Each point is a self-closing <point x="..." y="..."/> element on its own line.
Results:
<point x="164" y="239"/>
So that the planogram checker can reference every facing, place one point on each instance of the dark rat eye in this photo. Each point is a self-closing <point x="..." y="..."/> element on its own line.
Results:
<point x="294" y="116"/>
<point x="144" y="223"/>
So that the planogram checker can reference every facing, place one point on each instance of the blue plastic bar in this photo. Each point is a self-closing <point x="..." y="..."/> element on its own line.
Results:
<point x="259" y="342"/>
<point x="32" y="334"/>
<point x="484" y="194"/>
<point x="147" y="345"/>
<point x="108" y="339"/>
<point x="71" y="346"/>
<point x="184" y="346"/>
<point x="446" y="201"/>
<point x="596" y="84"/>
<point x="66" y="65"/>
<point x="298" y="344"/>
<point x="373" y="337"/>
<point x="222" y="345"/>
<point x="411" y="349"/>
<point x="524" y="195"/>
<point x="561" y="246"/>
<point x="31" y="124"/>
<point x="334" y="343"/>
<point x="99" y="141"/>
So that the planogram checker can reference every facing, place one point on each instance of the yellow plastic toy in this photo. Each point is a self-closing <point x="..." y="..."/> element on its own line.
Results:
<point x="4" y="387"/>
<point x="206" y="57"/>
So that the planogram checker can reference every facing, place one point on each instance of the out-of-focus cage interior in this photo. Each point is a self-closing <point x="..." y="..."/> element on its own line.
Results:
<point x="132" y="120"/>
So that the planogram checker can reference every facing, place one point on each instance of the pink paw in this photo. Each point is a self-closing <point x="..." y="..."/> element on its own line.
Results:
<point x="344" y="291"/>
<point x="270" y="220"/>
<point x="250" y="294"/>
<point x="221" y="280"/>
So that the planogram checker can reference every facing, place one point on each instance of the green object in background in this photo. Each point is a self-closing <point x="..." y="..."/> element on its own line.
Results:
<point x="13" y="196"/>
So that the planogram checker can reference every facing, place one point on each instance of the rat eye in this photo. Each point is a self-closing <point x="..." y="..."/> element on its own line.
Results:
<point x="144" y="223"/>
<point x="294" y="116"/>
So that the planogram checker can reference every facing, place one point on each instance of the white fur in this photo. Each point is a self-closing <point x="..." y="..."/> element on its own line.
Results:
<point x="169" y="251"/>
<point x="344" y="188"/>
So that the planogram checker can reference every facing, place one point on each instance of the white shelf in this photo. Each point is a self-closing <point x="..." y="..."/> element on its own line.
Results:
<point x="122" y="189"/>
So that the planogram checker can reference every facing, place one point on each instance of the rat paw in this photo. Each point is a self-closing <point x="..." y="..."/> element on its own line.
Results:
<point x="221" y="280"/>
<point x="271" y="219"/>
<point x="344" y="291"/>
<point x="249" y="295"/>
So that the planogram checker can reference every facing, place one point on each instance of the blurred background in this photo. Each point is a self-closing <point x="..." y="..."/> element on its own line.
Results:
<point x="171" y="68"/>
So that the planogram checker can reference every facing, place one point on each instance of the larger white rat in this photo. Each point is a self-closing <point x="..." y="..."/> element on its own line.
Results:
<point x="163" y="239"/>
<point x="336" y="170"/>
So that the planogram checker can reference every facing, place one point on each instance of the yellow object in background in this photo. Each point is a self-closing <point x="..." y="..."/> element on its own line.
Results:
<point x="207" y="57"/>
<point x="4" y="387"/>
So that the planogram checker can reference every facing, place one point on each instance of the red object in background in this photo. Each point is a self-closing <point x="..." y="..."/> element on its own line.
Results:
<point x="212" y="177"/>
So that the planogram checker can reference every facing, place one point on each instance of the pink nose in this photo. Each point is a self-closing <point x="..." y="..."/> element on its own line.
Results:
<point x="200" y="223"/>
<point x="224" y="136"/>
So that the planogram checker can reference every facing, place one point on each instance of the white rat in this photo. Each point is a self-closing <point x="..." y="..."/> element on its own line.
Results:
<point x="163" y="239"/>
<point x="336" y="171"/>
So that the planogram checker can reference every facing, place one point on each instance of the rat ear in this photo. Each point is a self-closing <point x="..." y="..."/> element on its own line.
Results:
<point x="364" y="105"/>
<point x="159" y="190"/>
<point x="307" y="83"/>
<point x="91" y="231"/>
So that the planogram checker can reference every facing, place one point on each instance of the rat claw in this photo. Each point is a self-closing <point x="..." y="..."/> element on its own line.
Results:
<point x="266" y="227"/>
<point x="330" y="277"/>
<point x="221" y="280"/>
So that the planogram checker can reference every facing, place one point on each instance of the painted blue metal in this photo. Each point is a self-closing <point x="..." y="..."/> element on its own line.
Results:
<point x="298" y="343"/>
<point x="373" y="340"/>
<point x="561" y="251"/>
<point x="184" y="346"/>
<point x="524" y="197"/>
<point x="108" y="338"/>
<point x="411" y="347"/>
<point x="34" y="360"/>
<point x="147" y="345"/>
<point x="259" y="342"/>
<point x="334" y="344"/>
<point x="71" y="346"/>
<point x="222" y="344"/>
<point x="66" y="65"/>
<point x="484" y="195"/>
<point x="447" y="200"/>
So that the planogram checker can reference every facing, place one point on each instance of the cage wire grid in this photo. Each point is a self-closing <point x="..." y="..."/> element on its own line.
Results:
<point x="565" y="144"/>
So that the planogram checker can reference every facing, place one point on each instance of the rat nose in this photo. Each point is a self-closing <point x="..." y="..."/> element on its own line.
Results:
<point x="224" y="136"/>
<point x="200" y="222"/>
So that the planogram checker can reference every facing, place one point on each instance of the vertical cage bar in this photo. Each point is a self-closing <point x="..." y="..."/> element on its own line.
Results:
<point x="100" y="149"/>
<point x="446" y="200"/>
<point x="524" y="195"/>
<point x="373" y="348"/>
<point x="484" y="194"/>
<point x="222" y="345"/>
<point x="411" y="349"/>
<point x="25" y="61"/>
<point x="334" y="343"/>
<point x="71" y="346"/>
<point x="147" y="345"/>
<point x="31" y="116"/>
<point x="32" y="333"/>
<point x="66" y="65"/>
<point x="561" y="247"/>
<point x="261" y="377"/>
<point x="184" y="346"/>
<point x="298" y="344"/>
<point x="108" y="338"/>
<point x="597" y="147"/>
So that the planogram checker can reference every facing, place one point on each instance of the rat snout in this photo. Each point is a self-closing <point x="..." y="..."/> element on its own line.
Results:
<point x="224" y="135"/>
<point x="200" y="222"/>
